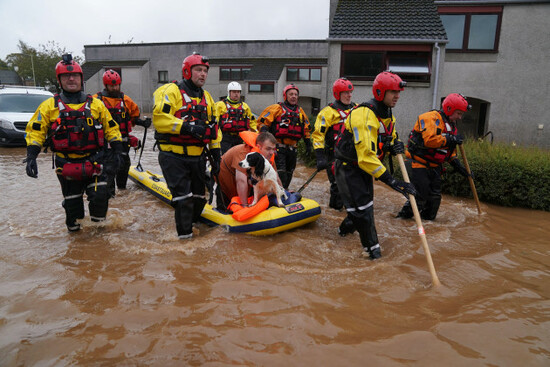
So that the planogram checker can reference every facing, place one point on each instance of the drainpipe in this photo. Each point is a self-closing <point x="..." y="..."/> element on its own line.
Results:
<point x="436" y="81"/>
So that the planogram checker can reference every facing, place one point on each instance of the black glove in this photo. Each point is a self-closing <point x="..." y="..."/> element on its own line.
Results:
<point x="145" y="123"/>
<point x="118" y="161"/>
<point x="196" y="131"/>
<point x="453" y="140"/>
<point x="397" y="148"/>
<point x="32" y="167"/>
<point x="217" y="158"/>
<point x="460" y="168"/>
<point x="321" y="159"/>
<point x="401" y="186"/>
<point x="308" y="146"/>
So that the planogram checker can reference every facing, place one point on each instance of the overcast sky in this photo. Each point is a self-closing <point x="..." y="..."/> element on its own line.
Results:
<point x="73" y="24"/>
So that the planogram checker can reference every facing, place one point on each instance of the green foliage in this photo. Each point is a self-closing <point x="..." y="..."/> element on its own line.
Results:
<point x="44" y="60"/>
<point x="504" y="175"/>
<point x="308" y="159"/>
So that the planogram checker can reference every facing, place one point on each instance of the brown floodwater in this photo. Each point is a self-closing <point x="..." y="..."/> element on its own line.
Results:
<point x="127" y="292"/>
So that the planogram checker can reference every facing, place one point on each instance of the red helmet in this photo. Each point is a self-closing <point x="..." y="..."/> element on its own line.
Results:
<point x="289" y="87"/>
<point x="67" y="66"/>
<point x="192" y="60"/>
<point x="341" y="85"/>
<point x="111" y="77"/>
<point x="384" y="81"/>
<point x="453" y="102"/>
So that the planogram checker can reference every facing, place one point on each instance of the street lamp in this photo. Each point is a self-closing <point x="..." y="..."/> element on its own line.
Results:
<point x="32" y="66"/>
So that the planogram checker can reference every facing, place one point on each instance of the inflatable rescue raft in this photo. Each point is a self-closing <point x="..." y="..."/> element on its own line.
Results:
<point x="270" y="221"/>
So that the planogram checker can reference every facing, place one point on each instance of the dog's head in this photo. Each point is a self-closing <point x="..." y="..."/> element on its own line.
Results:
<point x="254" y="161"/>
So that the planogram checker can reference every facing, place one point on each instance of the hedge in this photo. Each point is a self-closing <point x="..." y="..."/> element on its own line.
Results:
<point x="504" y="174"/>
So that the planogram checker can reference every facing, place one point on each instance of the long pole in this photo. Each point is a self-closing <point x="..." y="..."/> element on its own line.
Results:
<point x="307" y="181"/>
<point x="412" y="200"/>
<point x="470" y="179"/>
<point x="33" y="76"/>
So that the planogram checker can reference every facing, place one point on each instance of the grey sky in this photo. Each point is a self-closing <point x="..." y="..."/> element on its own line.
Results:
<point x="73" y="24"/>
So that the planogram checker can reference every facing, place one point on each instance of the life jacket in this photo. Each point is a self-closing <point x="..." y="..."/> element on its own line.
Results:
<point x="75" y="131"/>
<point x="234" y="120"/>
<point x="423" y="154"/>
<point x="119" y="114"/>
<point x="288" y="125"/>
<point x="192" y="113"/>
<point x="334" y="131"/>
<point x="242" y="213"/>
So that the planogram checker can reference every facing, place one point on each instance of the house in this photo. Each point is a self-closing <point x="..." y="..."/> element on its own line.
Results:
<point x="493" y="52"/>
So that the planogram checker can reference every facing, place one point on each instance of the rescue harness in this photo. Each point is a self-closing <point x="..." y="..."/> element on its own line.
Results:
<point x="419" y="152"/>
<point x="234" y="120"/>
<point x="289" y="124"/>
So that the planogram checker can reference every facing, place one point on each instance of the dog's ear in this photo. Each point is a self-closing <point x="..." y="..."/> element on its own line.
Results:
<point x="260" y="165"/>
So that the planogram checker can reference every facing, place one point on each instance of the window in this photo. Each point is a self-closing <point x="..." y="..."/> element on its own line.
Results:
<point x="234" y="72"/>
<point x="364" y="62"/>
<point x="163" y="76"/>
<point x="472" y="29"/>
<point x="310" y="74"/>
<point x="261" y="87"/>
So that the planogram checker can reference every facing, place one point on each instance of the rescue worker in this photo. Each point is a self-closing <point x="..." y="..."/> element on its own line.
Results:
<point x="357" y="159"/>
<point x="186" y="128"/>
<point x="233" y="179"/>
<point x="288" y="122"/>
<point x="328" y="124"/>
<point x="235" y="116"/>
<point x="126" y="113"/>
<point x="432" y="142"/>
<point x="77" y="128"/>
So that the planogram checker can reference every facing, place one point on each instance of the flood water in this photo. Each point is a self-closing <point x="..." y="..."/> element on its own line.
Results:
<point x="127" y="292"/>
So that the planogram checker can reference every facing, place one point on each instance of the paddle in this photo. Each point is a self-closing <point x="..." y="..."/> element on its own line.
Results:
<point x="138" y="166"/>
<point x="412" y="200"/>
<point x="470" y="179"/>
<point x="308" y="181"/>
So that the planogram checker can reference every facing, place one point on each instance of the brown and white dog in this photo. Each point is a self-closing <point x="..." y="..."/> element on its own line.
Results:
<point x="263" y="177"/>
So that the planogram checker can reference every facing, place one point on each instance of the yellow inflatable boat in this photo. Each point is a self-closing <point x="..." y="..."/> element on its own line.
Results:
<point x="273" y="220"/>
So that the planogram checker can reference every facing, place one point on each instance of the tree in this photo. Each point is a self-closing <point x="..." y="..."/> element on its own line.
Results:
<point x="44" y="59"/>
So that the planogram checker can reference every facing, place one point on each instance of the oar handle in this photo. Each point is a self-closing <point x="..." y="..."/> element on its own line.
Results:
<point x="470" y="179"/>
<point x="308" y="181"/>
<point x="421" y="233"/>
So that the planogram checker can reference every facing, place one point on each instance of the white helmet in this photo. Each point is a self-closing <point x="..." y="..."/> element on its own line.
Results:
<point x="233" y="86"/>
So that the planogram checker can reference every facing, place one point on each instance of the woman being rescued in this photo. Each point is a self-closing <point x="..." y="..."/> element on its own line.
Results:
<point x="233" y="180"/>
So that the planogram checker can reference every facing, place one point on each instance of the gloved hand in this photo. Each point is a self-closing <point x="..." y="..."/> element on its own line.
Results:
<point x="215" y="165"/>
<point x="401" y="186"/>
<point x="321" y="159"/>
<point x="32" y="167"/>
<point x="460" y="168"/>
<point x="308" y="146"/>
<point x="453" y="140"/>
<point x="196" y="131"/>
<point x="145" y="123"/>
<point x="397" y="148"/>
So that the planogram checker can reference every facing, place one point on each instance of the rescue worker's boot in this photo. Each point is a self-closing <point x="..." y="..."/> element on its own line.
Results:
<point x="373" y="252"/>
<point x="346" y="227"/>
<point x="99" y="200"/>
<point x="184" y="217"/>
<point x="406" y="211"/>
<point x="74" y="209"/>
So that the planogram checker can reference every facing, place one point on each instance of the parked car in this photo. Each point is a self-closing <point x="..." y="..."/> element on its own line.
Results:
<point x="17" y="105"/>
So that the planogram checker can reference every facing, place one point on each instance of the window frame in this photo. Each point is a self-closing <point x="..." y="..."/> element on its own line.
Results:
<point x="234" y="68"/>
<point x="389" y="52"/>
<point x="261" y="84"/>
<point x="301" y="67"/>
<point x="160" y="80"/>
<point x="468" y="11"/>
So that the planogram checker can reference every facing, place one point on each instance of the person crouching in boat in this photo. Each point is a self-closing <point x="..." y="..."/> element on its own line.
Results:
<point x="233" y="179"/>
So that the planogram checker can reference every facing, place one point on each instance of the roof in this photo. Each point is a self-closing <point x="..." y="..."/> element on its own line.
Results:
<point x="387" y="21"/>
<point x="264" y="69"/>
<point x="10" y="77"/>
<point x="90" y="68"/>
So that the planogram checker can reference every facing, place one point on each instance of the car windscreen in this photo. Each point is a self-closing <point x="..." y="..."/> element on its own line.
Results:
<point x="21" y="102"/>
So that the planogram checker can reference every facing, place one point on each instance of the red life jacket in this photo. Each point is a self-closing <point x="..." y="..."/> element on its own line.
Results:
<point x="417" y="149"/>
<point x="75" y="131"/>
<point x="233" y="120"/>
<point x="335" y="129"/>
<point x="192" y="113"/>
<point x="288" y="125"/>
<point x="119" y="114"/>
